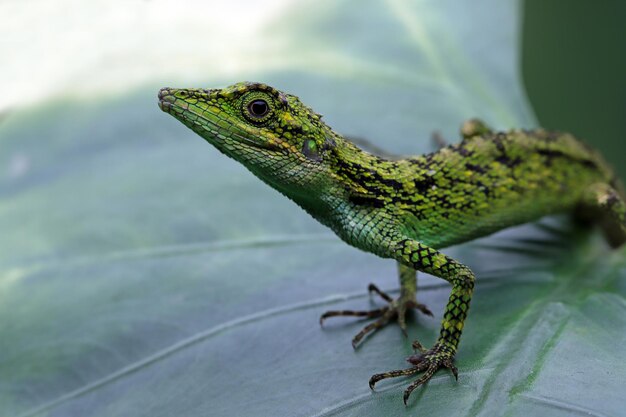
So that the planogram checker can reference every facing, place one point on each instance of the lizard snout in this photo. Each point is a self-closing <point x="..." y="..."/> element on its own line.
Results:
<point x="166" y="96"/>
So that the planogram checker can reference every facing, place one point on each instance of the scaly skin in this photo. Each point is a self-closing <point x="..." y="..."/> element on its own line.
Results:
<point x="405" y="209"/>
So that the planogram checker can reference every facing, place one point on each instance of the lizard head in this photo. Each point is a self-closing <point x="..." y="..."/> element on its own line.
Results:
<point x="272" y="133"/>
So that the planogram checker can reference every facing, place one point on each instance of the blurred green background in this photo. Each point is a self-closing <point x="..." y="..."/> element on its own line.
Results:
<point x="574" y="69"/>
<point x="144" y="274"/>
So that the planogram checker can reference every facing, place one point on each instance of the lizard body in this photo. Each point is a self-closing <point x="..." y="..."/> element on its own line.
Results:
<point x="406" y="208"/>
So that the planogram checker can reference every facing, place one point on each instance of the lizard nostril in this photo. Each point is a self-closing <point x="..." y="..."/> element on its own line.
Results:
<point x="164" y="93"/>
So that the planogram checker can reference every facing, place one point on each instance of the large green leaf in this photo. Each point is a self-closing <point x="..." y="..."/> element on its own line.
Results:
<point x="144" y="274"/>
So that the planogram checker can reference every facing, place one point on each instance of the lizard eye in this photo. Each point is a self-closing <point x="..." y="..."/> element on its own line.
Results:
<point x="258" y="108"/>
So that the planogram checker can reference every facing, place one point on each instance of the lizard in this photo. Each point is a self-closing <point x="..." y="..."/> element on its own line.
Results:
<point x="407" y="208"/>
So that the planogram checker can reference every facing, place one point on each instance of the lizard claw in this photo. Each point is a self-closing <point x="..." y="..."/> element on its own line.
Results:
<point x="428" y="362"/>
<point x="396" y="309"/>
<point x="418" y="346"/>
<point x="454" y="369"/>
<point x="420" y="307"/>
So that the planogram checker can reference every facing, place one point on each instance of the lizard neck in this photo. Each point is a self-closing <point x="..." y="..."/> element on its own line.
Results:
<point x="366" y="175"/>
<point x="350" y="173"/>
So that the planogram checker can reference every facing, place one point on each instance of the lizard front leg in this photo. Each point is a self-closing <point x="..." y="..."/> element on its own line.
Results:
<point x="396" y="309"/>
<point x="441" y="354"/>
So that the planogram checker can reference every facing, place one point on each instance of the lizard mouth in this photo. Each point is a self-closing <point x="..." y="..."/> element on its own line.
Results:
<point x="200" y="123"/>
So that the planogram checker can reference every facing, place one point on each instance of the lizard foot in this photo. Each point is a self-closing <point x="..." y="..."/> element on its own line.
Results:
<point x="427" y="361"/>
<point x="396" y="309"/>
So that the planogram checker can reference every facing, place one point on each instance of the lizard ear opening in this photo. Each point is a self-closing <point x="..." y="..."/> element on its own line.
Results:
<point x="311" y="150"/>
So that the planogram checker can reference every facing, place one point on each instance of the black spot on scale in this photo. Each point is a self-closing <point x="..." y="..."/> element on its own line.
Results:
<point x="460" y="149"/>
<point x="506" y="160"/>
<point x="485" y="189"/>
<point x="366" y="200"/>
<point x="389" y="182"/>
<point x="498" y="140"/>
<point x="364" y="176"/>
<point x="425" y="184"/>
<point x="552" y="154"/>
<point x="589" y="163"/>
<point x="419" y="162"/>
<point x="475" y="168"/>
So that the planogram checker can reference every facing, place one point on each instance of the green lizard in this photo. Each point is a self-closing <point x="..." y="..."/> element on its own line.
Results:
<point x="406" y="209"/>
